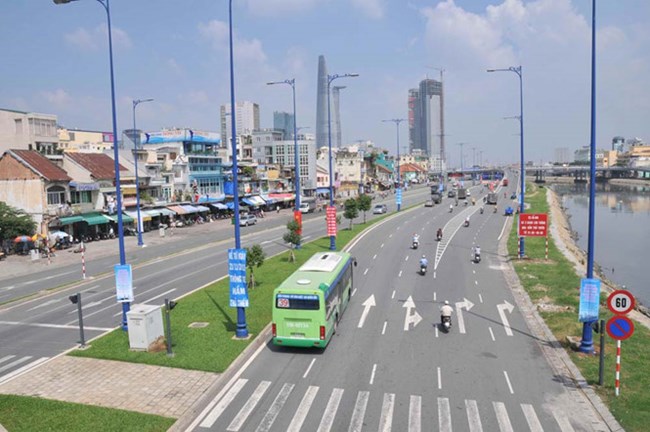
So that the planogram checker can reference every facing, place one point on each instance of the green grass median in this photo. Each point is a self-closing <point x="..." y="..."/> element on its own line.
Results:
<point x="29" y="414"/>
<point x="554" y="283"/>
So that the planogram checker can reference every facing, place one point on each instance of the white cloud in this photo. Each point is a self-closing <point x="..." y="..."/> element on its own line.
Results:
<point x="247" y="50"/>
<point x="58" y="98"/>
<point x="372" y="8"/>
<point x="92" y="40"/>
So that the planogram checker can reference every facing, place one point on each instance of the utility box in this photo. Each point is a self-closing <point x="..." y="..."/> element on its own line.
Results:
<point x="145" y="325"/>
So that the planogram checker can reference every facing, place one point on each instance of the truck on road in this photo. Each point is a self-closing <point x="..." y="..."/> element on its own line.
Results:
<point x="492" y="198"/>
<point x="462" y="193"/>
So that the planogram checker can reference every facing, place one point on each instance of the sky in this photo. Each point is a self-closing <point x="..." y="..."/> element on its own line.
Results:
<point x="55" y="60"/>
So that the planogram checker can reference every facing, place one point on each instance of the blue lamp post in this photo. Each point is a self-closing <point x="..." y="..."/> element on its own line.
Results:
<point x="137" y="181"/>
<point x="296" y="159"/>
<point x="116" y="156"/>
<point x="399" y="180"/>
<point x="587" y="342"/>
<point x="522" y="174"/>
<point x="241" y="331"/>
<point x="331" y="78"/>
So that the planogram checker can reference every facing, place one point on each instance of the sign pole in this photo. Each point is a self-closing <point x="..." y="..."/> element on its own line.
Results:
<point x="546" y="247"/>
<point x="83" y="260"/>
<point x="618" y="366"/>
<point x="601" y="364"/>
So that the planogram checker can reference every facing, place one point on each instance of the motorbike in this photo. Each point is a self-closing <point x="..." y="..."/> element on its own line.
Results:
<point x="416" y="243"/>
<point x="446" y="322"/>
<point x="477" y="257"/>
<point x="438" y="237"/>
<point x="466" y="224"/>
<point x="423" y="269"/>
<point x="495" y="210"/>
<point x="451" y="209"/>
<point x="481" y="210"/>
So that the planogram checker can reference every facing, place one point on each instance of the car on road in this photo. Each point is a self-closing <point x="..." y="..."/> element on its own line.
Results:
<point x="247" y="219"/>
<point x="451" y="193"/>
<point x="380" y="209"/>
<point x="428" y="203"/>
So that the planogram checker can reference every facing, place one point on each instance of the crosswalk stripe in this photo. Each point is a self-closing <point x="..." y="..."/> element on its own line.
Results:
<point x="4" y="359"/>
<point x="14" y="363"/>
<point x="531" y="418"/>
<point x="415" y="413"/>
<point x="563" y="422"/>
<point x="444" y="415"/>
<point x="473" y="416"/>
<point x="386" y="419"/>
<point x="303" y="409"/>
<point x="330" y="410"/>
<point x="10" y="375"/>
<point x="359" y="411"/>
<point x="250" y="405"/>
<point x="209" y="420"/>
<point x="275" y="408"/>
<point x="502" y="417"/>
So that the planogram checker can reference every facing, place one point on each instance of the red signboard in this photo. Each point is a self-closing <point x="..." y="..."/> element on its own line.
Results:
<point x="619" y="327"/>
<point x="331" y="220"/>
<point x="297" y="216"/>
<point x="620" y="302"/>
<point x="533" y="224"/>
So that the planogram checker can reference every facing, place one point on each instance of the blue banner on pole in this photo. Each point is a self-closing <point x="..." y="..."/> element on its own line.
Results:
<point x="398" y="196"/>
<point x="237" y="275"/>
<point x="589" y="300"/>
<point x="124" y="283"/>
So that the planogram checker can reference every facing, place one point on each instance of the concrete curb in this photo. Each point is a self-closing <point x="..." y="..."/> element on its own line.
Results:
<point x="556" y="356"/>
<point x="2" y="429"/>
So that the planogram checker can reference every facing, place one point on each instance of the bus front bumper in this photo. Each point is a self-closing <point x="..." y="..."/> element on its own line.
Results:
<point x="299" y="342"/>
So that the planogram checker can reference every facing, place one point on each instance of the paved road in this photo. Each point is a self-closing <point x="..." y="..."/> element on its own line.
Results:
<point x="34" y="331"/>
<point x="397" y="371"/>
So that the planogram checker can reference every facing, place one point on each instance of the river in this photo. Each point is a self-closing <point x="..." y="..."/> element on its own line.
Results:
<point x="622" y="231"/>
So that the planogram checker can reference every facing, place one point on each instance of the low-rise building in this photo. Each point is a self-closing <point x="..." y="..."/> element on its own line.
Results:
<point x="84" y="141"/>
<point x="28" y="131"/>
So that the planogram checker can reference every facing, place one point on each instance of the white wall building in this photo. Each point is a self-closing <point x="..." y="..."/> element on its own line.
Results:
<point x="28" y="131"/>
<point x="269" y="148"/>
<point x="247" y="119"/>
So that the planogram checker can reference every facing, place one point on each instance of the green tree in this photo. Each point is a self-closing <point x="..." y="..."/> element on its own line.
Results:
<point x="364" y="202"/>
<point x="255" y="257"/>
<point x="14" y="222"/>
<point x="292" y="237"/>
<point x="351" y="210"/>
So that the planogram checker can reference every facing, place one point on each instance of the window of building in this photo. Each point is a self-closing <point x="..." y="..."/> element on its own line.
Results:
<point x="56" y="195"/>
<point x="81" y="197"/>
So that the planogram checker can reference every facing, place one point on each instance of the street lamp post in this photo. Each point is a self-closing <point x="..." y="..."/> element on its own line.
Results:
<point x="397" y="121"/>
<point x="522" y="174"/>
<point x="331" y="78"/>
<point x="292" y="83"/>
<point x="126" y="306"/>
<point x="137" y="181"/>
<point x="587" y="342"/>
<point x="241" y="331"/>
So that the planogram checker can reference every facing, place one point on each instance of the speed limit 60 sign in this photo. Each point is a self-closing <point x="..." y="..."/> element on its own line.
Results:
<point x="620" y="302"/>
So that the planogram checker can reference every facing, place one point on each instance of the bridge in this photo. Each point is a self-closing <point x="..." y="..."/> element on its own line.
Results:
<point x="580" y="173"/>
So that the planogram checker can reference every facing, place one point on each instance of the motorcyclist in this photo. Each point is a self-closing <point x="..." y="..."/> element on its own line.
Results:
<point x="424" y="262"/>
<point x="473" y="201"/>
<point x="439" y="233"/>
<point x="416" y="238"/>
<point x="467" y="221"/>
<point x="445" y="311"/>
<point x="451" y="208"/>
<point x="482" y="209"/>
<point x="477" y="251"/>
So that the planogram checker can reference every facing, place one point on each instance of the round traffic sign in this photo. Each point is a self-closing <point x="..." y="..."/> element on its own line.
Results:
<point x="620" y="327"/>
<point x="620" y="302"/>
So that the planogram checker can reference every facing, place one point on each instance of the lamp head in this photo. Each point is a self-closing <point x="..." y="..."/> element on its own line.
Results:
<point x="62" y="1"/>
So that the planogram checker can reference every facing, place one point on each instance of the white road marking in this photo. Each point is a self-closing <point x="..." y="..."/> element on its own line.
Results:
<point x="459" y="315"/>
<point x="9" y="288"/>
<point x="274" y="410"/>
<point x="473" y="416"/>
<point x="309" y="368"/>
<point x="480" y="297"/>
<point x="502" y="308"/>
<point x="505" y="222"/>
<point x="390" y="236"/>
<point x="414" y="318"/>
<point x="374" y="256"/>
<point x="434" y="274"/>
<point x="209" y="420"/>
<point x="434" y="296"/>
<point x="492" y="334"/>
<point x="359" y="411"/>
<point x="14" y="363"/>
<point x="436" y="329"/>
<point x="365" y="272"/>
<point x="508" y="381"/>
<point x="5" y="358"/>
<point x="502" y="417"/>
<point x="47" y="303"/>
<point x="475" y="282"/>
<point x="415" y="413"/>
<point x="250" y="405"/>
<point x="372" y="375"/>
<point x="407" y="258"/>
<point x="370" y="302"/>
<point x="55" y="326"/>
<point x="531" y="418"/>
<point x="563" y="422"/>
<point x="23" y="369"/>
<point x="303" y="409"/>
<point x="114" y="305"/>
<point x="393" y="296"/>
<point x="439" y="379"/>
<point x="474" y="271"/>
<point x="330" y="410"/>
<point x="444" y="415"/>
<point x="386" y="419"/>
<point x="152" y="298"/>
<point x="400" y="274"/>
<point x="47" y="278"/>
<point x="383" y="330"/>
<point x="382" y="245"/>
<point x="354" y="291"/>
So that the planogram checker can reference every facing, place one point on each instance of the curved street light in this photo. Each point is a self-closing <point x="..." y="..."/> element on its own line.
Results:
<point x="398" y="197"/>
<point x="137" y="181"/>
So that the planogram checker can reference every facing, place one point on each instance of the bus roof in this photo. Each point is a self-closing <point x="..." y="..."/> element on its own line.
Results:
<point x="318" y="273"/>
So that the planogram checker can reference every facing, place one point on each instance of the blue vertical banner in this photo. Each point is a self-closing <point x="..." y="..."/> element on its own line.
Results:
<point x="124" y="283"/>
<point x="589" y="300"/>
<point x="237" y="275"/>
<point x="398" y="196"/>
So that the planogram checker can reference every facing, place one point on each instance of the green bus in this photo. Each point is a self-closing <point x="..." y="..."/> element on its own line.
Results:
<point x="308" y="305"/>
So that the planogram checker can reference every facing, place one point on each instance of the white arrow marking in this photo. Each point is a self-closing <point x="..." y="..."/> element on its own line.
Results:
<point x="415" y="318"/>
<point x="502" y="308"/>
<point x="370" y="302"/>
<point x="461" y="321"/>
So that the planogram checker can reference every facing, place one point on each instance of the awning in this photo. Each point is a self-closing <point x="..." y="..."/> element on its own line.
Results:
<point x="249" y="202"/>
<point x="257" y="200"/>
<point x="219" y="206"/>
<point x="269" y="200"/>
<point x="125" y="218"/>
<point x="323" y="190"/>
<point x="177" y="209"/>
<point x="283" y="196"/>
<point x="69" y="220"/>
<point x="143" y="215"/>
<point x="95" y="219"/>
<point x="209" y="199"/>
<point x="230" y="205"/>
<point x="165" y="212"/>
<point x="152" y="212"/>
<point x="202" y="208"/>
<point x="190" y="209"/>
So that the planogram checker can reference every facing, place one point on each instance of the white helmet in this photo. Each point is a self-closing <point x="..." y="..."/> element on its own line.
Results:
<point x="447" y="302"/>
<point x="424" y="256"/>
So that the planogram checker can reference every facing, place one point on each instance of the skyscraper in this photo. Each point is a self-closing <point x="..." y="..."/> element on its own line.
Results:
<point x="425" y="111"/>
<point x="336" y="116"/>
<point x="247" y="116"/>
<point x="283" y="121"/>
<point x="322" y="127"/>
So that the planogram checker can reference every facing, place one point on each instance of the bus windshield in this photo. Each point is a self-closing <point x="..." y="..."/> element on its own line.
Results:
<point x="297" y="301"/>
